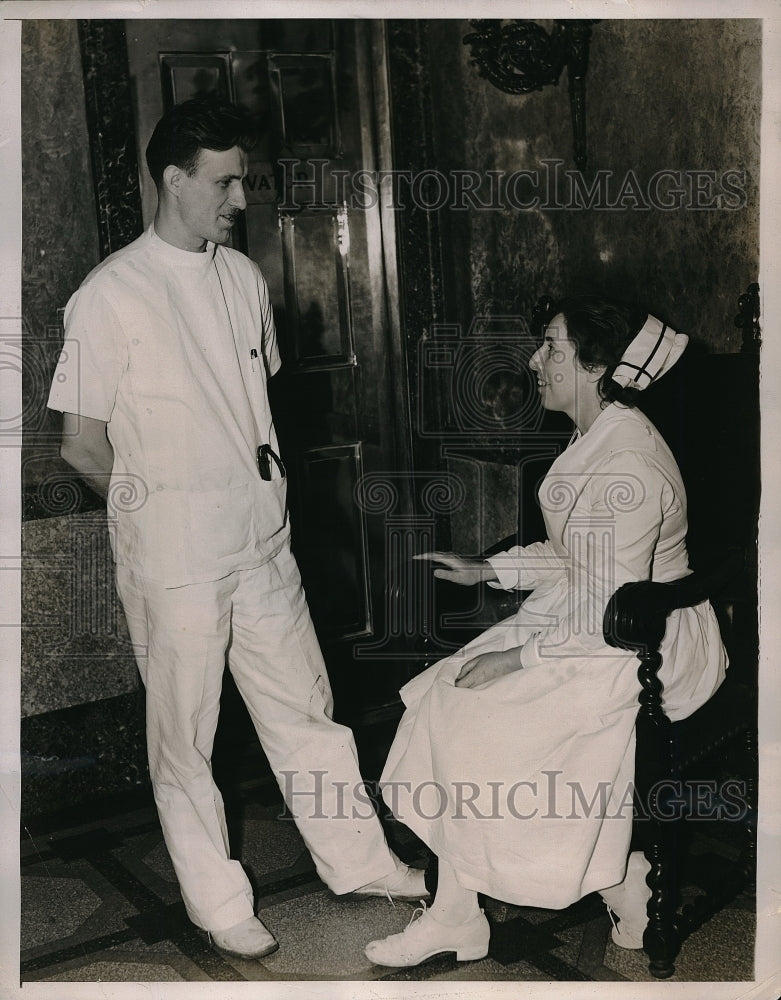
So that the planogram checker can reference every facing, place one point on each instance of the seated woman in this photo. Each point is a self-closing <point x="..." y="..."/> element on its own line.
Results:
<point x="514" y="760"/>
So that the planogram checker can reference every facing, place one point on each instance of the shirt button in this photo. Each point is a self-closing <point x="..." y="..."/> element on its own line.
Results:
<point x="159" y="489"/>
<point x="136" y="340"/>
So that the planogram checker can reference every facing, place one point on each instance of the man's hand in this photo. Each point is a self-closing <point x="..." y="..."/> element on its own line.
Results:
<point x="489" y="666"/>
<point x="459" y="569"/>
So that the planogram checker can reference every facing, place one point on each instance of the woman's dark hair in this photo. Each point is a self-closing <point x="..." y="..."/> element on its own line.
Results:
<point x="601" y="331"/>
<point x="208" y="122"/>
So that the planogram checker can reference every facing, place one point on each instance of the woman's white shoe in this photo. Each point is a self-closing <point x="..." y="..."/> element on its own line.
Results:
<point x="627" y="901"/>
<point x="425" y="937"/>
<point x="625" y="935"/>
<point x="407" y="884"/>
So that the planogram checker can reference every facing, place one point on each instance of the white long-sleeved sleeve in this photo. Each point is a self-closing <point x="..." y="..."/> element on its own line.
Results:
<point x="524" y="567"/>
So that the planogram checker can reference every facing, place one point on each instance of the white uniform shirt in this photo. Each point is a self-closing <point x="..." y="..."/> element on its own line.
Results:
<point x="173" y="349"/>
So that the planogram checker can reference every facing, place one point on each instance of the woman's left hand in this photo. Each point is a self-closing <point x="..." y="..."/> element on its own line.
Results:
<point x="489" y="666"/>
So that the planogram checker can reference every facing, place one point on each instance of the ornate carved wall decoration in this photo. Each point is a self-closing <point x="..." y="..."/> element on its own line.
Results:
<point x="518" y="57"/>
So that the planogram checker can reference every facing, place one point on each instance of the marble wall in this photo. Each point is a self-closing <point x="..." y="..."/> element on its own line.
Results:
<point x="75" y="644"/>
<point x="60" y="237"/>
<point x="681" y="96"/>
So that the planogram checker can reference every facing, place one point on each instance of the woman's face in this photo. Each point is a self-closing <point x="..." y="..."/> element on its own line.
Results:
<point x="561" y="380"/>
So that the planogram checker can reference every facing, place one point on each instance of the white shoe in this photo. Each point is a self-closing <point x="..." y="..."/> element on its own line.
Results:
<point x="425" y="937"/>
<point x="249" y="939"/>
<point x="623" y="934"/>
<point x="405" y="884"/>
<point x="627" y="901"/>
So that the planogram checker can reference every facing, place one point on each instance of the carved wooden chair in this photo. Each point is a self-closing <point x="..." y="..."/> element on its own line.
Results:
<point x="712" y="442"/>
<point x="665" y="754"/>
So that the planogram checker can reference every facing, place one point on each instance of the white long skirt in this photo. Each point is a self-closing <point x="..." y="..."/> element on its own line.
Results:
<point x="524" y="785"/>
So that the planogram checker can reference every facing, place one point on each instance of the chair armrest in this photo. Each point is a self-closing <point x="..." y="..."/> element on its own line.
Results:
<point x="636" y="615"/>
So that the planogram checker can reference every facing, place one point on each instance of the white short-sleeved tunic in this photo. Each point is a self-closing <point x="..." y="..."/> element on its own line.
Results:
<point x="524" y="785"/>
<point x="173" y="349"/>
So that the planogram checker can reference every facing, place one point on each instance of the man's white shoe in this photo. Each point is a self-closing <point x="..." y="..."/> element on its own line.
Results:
<point x="405" y="884"/>
<point x="249" y="939"/>
<point x="425" y="937"/>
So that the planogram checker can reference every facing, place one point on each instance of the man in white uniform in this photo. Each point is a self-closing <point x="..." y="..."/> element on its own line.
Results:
<point x="162" y="384"/>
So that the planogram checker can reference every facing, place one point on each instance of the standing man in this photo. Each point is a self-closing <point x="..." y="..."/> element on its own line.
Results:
<point x="162" y="383"/>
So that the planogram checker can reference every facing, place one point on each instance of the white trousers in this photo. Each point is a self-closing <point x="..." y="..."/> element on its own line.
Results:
<point x="260" y="618"/>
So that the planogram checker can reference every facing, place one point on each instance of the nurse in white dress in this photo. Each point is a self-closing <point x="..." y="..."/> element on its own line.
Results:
<point x="514" y="760"/>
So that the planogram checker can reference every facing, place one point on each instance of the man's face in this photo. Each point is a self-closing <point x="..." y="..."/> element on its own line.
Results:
<point x="210" y="199"/>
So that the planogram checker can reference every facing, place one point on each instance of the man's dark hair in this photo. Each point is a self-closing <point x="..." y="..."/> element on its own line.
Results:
<point x="601" y="331"/>
<point x="208" y="122"/>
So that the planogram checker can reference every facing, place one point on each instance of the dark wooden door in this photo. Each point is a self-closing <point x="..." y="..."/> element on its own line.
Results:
<point x="339" y="402"/>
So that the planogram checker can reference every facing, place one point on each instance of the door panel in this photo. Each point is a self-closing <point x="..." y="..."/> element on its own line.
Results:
<point x="333" y="540"/>
<point x="318" y="327"/>
<point x="303" y="88"/>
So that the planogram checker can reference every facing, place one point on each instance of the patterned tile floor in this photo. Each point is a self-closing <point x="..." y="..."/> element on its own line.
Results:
<point x="100" y="903"/>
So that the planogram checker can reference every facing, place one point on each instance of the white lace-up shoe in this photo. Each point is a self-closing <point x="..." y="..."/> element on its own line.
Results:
<point x="625" y="935"/>
<point x="405" y="884"/>
<point x="425" y="937"/>
<point x="627" y="901"/>
<point x="249" y="939"/>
